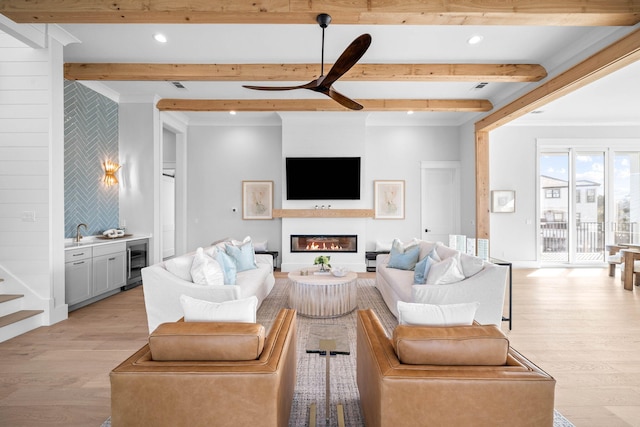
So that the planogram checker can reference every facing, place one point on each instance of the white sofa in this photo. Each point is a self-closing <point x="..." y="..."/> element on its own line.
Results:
<point x="487" y="286"/>
<point x="162" y="289"/>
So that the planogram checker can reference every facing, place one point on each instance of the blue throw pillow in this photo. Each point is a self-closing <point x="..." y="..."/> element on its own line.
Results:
<point x="422" y="270"/>
<point x="228" y="267"/>
<point x="243" y="255"/>
<point x="405" y="260"/>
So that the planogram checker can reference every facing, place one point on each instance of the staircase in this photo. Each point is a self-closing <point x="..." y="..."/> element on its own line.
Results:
<point x="14" y="319"/>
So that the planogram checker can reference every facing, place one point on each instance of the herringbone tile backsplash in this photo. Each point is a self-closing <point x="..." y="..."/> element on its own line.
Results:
<point x="90" y="138"/>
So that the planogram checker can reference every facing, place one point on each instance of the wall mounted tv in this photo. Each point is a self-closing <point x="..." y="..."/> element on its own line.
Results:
<point x="323" y="178"/>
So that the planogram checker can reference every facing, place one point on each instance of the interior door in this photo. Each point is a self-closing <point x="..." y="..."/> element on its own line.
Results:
<point x="440" y="201"/>
<point x="168" y="216"/>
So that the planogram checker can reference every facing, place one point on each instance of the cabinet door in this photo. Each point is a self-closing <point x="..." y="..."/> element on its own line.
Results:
<point x="108" y="272"/>
<point x="117" y="272"/>
<point x="77" y="281"/>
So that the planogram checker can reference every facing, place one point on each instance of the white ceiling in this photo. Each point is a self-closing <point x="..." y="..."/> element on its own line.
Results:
<point x="615" y="99"/>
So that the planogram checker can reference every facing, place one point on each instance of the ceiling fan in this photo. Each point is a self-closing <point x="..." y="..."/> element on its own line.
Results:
<point x="323" y="84"/>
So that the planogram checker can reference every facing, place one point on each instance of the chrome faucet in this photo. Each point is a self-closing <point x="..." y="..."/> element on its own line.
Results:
<point x="78" y="235"/>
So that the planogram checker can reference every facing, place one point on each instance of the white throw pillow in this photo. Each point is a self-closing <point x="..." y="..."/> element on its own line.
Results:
<point x="260" y="246"/>
<point x="240" y="243"/>
<point x="180" y="266"/>
<point x="445" y="272"/>
<point x="445" y="251"/>
<point x="383" y="246"/>
<point x="471" y="264"/>
<point x="410" y="313"/>
<point x="206" y="270"/>
<point x="239" y="310"/>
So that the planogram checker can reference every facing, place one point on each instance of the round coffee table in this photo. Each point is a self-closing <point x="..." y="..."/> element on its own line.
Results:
<point x="323" y="295"/>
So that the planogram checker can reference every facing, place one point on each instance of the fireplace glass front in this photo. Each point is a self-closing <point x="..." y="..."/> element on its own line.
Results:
<point x="324" y="243"/>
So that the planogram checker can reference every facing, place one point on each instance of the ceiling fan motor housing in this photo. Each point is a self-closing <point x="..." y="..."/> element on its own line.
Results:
<point x="324" y="20"/>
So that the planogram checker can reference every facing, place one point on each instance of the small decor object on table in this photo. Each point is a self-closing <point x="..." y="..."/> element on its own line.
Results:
<point x="323" y="262"/>
<point x="339" y="271"/>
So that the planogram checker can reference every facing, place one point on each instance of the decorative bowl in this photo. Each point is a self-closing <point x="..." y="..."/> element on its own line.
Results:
<point x="338" y="271"/>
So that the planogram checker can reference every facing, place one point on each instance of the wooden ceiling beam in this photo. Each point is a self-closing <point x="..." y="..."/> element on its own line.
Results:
<point x="379" y="12"/>
<point x="304" y="72"/>
<point x="223" y="105"/>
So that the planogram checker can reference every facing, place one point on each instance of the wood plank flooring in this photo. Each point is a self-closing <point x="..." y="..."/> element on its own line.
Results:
<point x="578" y="324"/>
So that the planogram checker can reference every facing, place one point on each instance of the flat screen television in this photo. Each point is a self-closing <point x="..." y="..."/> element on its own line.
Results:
<point x="323" y="178"/>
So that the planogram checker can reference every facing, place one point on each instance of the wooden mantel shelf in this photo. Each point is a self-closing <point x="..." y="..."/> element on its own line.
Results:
<point x="323" y="213"/>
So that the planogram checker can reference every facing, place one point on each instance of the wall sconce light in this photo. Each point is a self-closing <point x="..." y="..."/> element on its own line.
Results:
<point x="110" y="169"/>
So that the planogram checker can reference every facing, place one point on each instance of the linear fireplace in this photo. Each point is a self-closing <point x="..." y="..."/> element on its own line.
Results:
<point x="324" y="243"/>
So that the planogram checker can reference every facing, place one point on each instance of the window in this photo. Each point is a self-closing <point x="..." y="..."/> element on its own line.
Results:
<point x="591" y="195"/>
<point x="553" y="193"/>
<point x="578" y="193"/>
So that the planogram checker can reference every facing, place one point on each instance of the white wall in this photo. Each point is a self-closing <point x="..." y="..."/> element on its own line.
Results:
<point x="31" y="175"/>
<point x="140" y="174"/>
<point x="395" y="153"/>
<point x="219" y="158"/>
<point x="467" y="142"/>
<point x="513" y="167"/>
<point x="325" y="135"/>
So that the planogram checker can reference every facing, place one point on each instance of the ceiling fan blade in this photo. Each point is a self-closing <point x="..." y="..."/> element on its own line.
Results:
<point x="343" y="100"/>
<point x="304" y="86"/>
<point x="348" y="59"/>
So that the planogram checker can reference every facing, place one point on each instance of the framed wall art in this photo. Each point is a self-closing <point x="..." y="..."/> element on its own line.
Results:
<point x="503" y="201"/>
<point x="257" y="199"/>
<point x="388" y="199"/>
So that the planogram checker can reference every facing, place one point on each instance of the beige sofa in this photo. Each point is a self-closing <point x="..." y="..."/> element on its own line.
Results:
<point x="162" y="289"/>
<point x="486" y="286"/>
<point x="447" y="376"/>
<point x="248" y="379"/>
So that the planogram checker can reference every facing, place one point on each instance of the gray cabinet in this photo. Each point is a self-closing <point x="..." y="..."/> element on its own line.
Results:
<point x="109" y="266"/>
<point x="78" y="275"/>
<point x="94" y="272"/>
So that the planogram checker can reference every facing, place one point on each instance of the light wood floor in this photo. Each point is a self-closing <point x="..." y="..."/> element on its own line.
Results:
<point x="579" y="325"/>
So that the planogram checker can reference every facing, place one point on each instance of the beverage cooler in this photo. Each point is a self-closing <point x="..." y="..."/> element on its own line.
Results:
<point x="137" y="259"/>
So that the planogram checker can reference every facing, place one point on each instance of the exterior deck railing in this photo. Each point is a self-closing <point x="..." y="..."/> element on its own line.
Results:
<point x="590" y="236"/>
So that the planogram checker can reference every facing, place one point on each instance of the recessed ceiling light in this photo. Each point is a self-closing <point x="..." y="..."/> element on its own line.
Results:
<point x="160" y="38"/>
<point x="233" y="113"/>
<point x="475" y="39"/>
<point x="409" y="112"/>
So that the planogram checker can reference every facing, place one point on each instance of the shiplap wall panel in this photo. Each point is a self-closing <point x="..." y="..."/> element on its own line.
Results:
<point x="15" y="210"/>
<point x="24" y="196"/>
<point x="23" y="111"/>
<point x="24" y="83"/>
<point x="19" y="253"/>
<point x="24" y="161"/>
<point x="21" y="97"/>
<point x="19" y="69"/>
<point x="24" y="153"/>
<point x="24" y="182"/>
<point x="24" y="139"/>
<point x="19" y="125"/>
<point x="16" y="225"/>
<point x="19" y="168"/>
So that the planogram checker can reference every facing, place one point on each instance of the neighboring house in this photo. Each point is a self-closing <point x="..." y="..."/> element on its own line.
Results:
<point x="554" y="222"/>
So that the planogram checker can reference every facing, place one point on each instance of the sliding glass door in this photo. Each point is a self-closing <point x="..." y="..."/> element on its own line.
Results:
<point x="588" y="199"/>
<point x="554" y="207"/>
<point x="625" y="218"/>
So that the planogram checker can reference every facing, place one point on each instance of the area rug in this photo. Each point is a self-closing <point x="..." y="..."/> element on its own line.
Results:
<point x="310" y="386"/>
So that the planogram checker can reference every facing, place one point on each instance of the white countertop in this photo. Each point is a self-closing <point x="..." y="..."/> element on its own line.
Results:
<point x="88" y="241"/>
